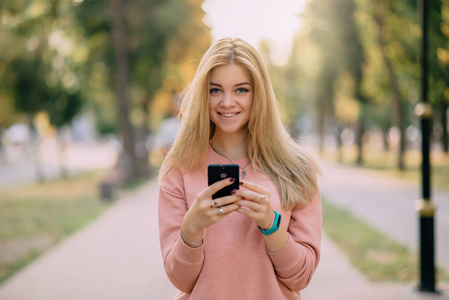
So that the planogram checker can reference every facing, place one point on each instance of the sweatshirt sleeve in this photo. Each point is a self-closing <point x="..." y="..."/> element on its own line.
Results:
<point x="297" y="261"/>
<point x="181" y="262"/>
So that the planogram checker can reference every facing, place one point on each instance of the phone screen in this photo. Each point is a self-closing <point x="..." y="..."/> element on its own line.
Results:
<point x="219" y="172"/>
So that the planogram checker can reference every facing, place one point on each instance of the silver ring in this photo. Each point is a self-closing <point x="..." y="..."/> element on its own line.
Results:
<point x="220" y="211"/>
<point x="262" y="198"/>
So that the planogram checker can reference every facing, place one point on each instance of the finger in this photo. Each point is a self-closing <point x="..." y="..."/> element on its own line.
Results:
<point x="247" y="212"/>
<point x="249" y="195"/>
<point x="214" y="203"/>
<point x="255" y="187"/>
<point x="213" y="188"/>
<point x="225" y="200"/>
<point x="225" y="210"/>
<point x="251" y="205"/>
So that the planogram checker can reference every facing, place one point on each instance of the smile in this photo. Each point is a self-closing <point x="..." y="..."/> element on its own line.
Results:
<point x="228" y="115"/>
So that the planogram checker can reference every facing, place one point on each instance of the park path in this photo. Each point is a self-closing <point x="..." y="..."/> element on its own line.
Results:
<point x="118" y="257"/>
<point x="387" y="203"/>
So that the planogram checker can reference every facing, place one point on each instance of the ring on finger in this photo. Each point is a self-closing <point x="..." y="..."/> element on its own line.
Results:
<point x="213" y="204"/>
<point x="262" y="198"/>
<point x="220" y="211"/>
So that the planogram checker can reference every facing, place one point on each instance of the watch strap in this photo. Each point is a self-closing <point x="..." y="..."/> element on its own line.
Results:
<point x="274" y="227"/>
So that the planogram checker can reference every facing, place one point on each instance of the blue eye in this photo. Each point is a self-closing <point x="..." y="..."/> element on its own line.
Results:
<point x="242" y="90"/>
<point x="214" y="91"/>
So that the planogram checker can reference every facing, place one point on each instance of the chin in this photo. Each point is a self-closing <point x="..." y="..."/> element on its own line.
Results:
<point x="228" y="130"/>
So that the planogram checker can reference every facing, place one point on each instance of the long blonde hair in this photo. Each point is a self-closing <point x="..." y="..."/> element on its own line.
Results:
<point x="268" y="144"/>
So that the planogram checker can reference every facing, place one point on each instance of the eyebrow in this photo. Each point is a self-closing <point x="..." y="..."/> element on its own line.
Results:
<point x="238" y="84"/>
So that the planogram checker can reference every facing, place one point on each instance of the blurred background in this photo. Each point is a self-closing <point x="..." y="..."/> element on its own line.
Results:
<point x="89" y="88"/>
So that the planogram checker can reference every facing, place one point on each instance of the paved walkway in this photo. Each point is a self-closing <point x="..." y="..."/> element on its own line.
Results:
<point x="118" y="257"/>
<point x="387" y="203"/>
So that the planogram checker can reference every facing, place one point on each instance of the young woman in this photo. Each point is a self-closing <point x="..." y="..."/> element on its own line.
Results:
<point x="263" y="240"/>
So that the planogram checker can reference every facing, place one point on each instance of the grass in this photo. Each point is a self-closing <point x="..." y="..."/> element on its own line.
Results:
<point x="376" y="255"/>
<point x="9" y="269"/>
<point x="50" y="211"/>
<point x="386" y="161"/>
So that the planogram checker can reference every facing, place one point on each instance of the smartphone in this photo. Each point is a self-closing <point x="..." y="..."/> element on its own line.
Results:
<point x="219" y="172"/>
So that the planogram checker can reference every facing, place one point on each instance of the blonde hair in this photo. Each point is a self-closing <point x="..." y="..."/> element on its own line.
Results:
<point x="269" y="146"/>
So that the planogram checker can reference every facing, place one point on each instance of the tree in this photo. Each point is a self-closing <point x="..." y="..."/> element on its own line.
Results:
<point x="120" y="43"/>
<point x="29" y="94"/>
<point x="439" y="64"/>
<point x="395" y="53"/>
<point x="156" y="38"/>
<point x="321" y="19"/>
<point x="161" y="62"/>
<point x="41" y="76"/>
<point x="333" y="29"/>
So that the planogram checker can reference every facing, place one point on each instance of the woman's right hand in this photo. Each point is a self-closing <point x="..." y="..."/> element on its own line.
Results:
<point x="206" y="211"/>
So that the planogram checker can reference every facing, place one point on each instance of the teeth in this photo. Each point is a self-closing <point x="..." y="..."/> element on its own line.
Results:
<point x="228" y="115"/>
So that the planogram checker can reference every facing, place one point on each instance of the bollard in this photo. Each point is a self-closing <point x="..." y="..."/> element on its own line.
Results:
<point x="106" y="191"/>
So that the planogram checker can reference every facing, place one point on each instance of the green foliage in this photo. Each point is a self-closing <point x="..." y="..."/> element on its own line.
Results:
<point x="39" y="62"/>
<point x="59" y="56"/>
<point x="162" y="36"/>
<point x="30" y="89"/>
<point x="333" y="30"/>
<point x="62" y="107"/>
<point x="377" y="44"/>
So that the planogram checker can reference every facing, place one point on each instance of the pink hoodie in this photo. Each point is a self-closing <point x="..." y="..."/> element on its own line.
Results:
<point x="233" y="262"/>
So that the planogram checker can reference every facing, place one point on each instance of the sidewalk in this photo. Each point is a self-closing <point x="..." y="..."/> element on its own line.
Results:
<point x="386" y="203"/>
<point x="117" y="257"/>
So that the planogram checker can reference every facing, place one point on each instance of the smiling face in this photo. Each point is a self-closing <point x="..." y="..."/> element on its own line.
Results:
<point x="230" y="99"/>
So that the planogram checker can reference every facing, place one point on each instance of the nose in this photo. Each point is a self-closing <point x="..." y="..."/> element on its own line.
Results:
<point x="227" y="101"/>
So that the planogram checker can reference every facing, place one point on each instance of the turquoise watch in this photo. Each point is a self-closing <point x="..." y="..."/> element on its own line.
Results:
<point x="275" y="227"/>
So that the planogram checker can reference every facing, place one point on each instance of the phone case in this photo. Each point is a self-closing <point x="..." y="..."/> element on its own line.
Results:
<point x="219" y="172"/>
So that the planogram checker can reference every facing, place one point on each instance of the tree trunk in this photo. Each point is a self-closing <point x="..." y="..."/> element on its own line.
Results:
<point x="62" y="145"/>
<point x="397" y="102"/>
<point x="143" y="132"/>
<point x="359" y="139"/>
<point x="35" y="150"/>
<point x="120" y="42"/>
<point x="360" y="124"/>
<point x="2" y="148"/>
<point x="321" y="131"/>
<point x="325" y="105"/>
<point x="338" y="132"/>
<point x="147" y="169"/>
<point x="385" y="140"/>
<point x="444" y="122"/>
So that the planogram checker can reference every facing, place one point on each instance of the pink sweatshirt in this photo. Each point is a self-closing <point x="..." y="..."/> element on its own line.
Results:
<point x="233" y="262"/>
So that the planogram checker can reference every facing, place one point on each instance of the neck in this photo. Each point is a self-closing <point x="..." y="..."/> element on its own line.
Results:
<point x="233" y="147"/>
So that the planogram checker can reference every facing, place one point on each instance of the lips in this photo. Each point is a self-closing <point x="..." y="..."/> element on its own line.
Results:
<point x="228" y="115"/>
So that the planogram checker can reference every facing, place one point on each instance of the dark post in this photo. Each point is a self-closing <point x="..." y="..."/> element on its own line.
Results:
<point x="120" y="42"/>
<point x="425" y="208"/>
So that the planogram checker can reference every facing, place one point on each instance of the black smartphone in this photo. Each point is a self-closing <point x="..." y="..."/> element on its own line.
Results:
<point x="219" y="172"/>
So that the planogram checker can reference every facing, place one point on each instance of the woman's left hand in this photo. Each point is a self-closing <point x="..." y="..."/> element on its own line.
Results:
<point x="255" y="204"/>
